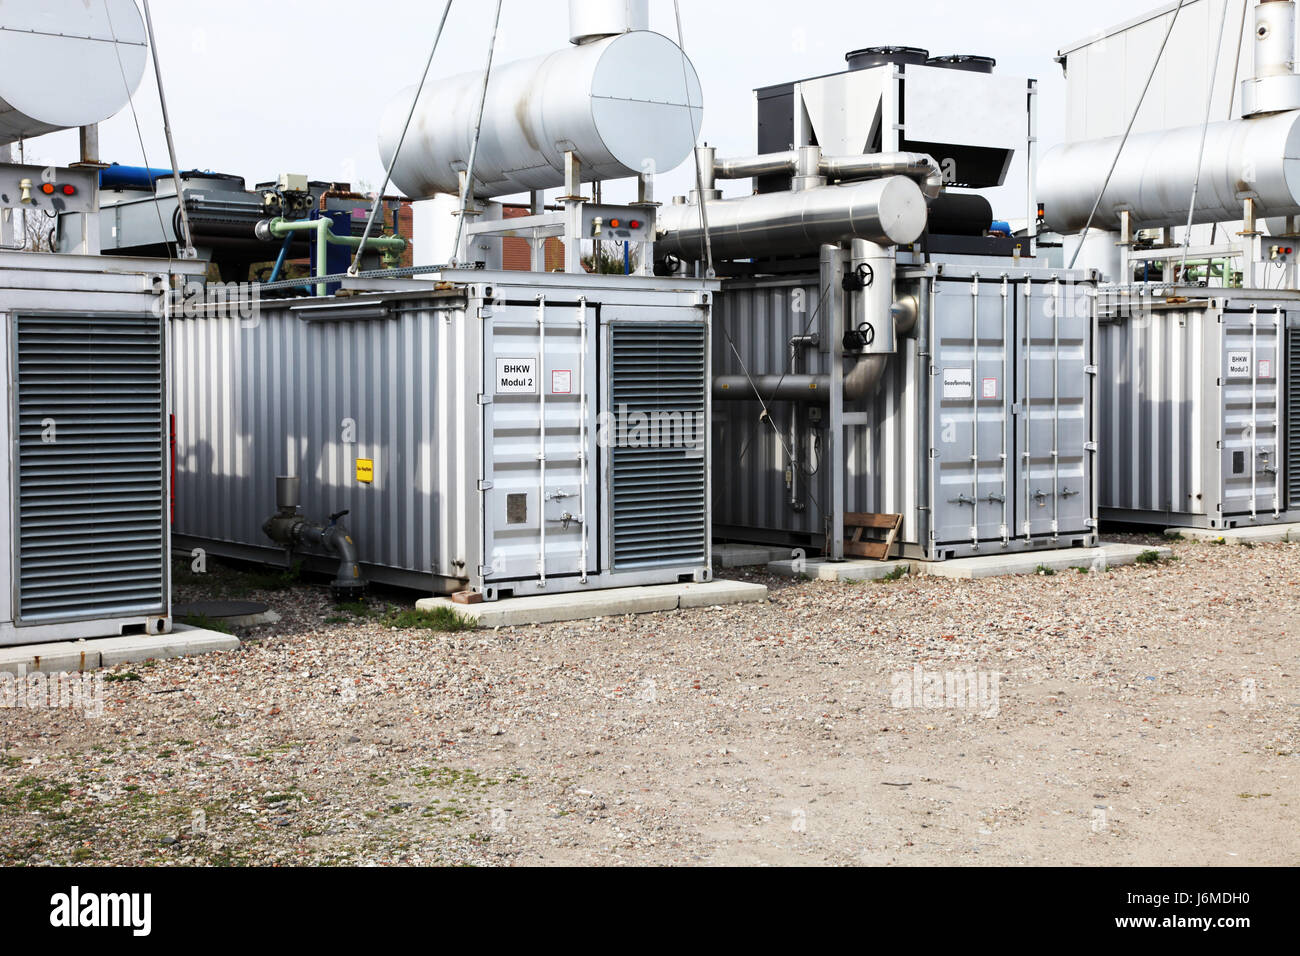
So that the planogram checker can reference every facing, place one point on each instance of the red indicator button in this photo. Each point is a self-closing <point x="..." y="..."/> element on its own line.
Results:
<point x="48" y="189"/>
<point x="69" y="190"/>
<point x="635" y="224"/>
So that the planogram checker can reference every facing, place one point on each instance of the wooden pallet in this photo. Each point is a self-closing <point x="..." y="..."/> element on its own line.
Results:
<point x="855" y="547"/>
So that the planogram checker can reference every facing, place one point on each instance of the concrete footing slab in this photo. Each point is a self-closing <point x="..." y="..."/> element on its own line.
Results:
<point x="746" y="555"/>
<point x="819" y="570"/>
<point x="584" y="605"/>
<point x="110" y="651"/>
<point x="243" y="614"/>
<point x="1256" y="534"/>
<point x="1031" y="562"/>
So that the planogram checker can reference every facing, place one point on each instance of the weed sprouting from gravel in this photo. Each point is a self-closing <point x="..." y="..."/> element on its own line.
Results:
<point x="439" y="619"/>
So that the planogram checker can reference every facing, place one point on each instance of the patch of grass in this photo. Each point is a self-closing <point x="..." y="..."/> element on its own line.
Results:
<point x="35" y="796"/>
<point x="338" y="619"/>
<point x="1174" y="536"/>
<point x="897" y="574"/>
<point x="275" y="580"/>
<point x="1248" y="545"/>
<point x="205" y="623"/>
<point x="124" y="677"/>
<point x="1082" y="570"/>
<point x="1045" y="571"/>
<point x="439" y="619"/>
<point x="355" y="608"/>
<point x="1149" y="557"/>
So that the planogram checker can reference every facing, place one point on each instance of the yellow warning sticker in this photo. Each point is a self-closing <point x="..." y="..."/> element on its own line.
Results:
<point x="366" y="471"/>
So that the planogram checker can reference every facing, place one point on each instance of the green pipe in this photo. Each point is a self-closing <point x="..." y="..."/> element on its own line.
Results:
<point x="391" y="246"/>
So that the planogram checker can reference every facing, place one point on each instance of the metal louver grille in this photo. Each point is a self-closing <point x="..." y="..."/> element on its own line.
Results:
<point x="658" y="381"/>
<point x="1293" y="420"/>
<point x="90" y="480"/>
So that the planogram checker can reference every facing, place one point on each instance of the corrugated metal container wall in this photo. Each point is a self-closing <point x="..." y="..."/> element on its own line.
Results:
<point x="754" y="322"/>
<point x="1031" y="418"/>
<point x="1153" y="397"/>
<point x="1194" y="412"/>
<point x="286" y="395"/>
<point x="751" y="455"/>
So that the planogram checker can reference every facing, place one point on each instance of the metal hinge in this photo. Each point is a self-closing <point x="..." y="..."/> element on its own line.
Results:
<point x="1091" y="370"/>
<point x="485" y="399"/>
<point x="485" y="486"/>
<point x="1090" y="446"/>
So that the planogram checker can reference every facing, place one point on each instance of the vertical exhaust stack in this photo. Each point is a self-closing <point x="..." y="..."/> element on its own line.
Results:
<point x="591" y="20"/>
<point x="1275" y="86"/>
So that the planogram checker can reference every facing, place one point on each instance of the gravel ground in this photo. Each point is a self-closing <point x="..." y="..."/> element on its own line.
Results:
<point x="1148" y="715"/>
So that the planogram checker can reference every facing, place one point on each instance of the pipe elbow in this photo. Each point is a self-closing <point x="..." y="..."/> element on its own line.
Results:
<point x="863" y="380"/>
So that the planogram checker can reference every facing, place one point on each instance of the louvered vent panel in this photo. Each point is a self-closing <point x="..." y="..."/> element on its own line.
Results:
<point x="658" y="378"/>
<point x="1293" y="419"/>
<point x="90" y="475"/>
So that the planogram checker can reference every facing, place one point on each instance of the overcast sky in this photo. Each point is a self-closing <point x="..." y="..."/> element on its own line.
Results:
<point x="260" y="87"/>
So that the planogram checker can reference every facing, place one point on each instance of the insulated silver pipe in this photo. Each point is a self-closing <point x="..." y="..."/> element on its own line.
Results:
<point x="919" y="166"/>
<point x="768" y="164"/>
<point x="888" y="211"/>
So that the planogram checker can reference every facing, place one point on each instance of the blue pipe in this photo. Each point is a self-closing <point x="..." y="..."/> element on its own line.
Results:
<point x="131" y="177"/>
<point x="284" y="254"/>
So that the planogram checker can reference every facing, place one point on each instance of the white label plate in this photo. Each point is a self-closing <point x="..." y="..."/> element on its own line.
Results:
<point x="958" y="383"/>
<point x="516" y="376"/>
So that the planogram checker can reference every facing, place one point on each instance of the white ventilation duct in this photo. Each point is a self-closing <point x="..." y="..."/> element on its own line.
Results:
<point x="595" y="19"/>
<point x="67" y="63"/>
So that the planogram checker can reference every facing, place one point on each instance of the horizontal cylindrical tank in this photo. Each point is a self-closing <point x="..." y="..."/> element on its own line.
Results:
<point x="67" y="63"/>
<point x="1244" y="159"/>
<point x="625" y="105"/>
<point x="889" y="211"/>
<point x="592" y="19"/>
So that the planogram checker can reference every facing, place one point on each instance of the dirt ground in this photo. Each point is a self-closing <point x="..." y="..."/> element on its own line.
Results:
<point x="1148" y="715"/>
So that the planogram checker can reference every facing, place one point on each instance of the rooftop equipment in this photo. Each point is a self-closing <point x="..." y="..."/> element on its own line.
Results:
<point x="507" y="433"/>
<point x="67" y="63"/>
<point x="880" y="359"/>
<point x="624" y="105"/>
<point x="1199" y="365"/>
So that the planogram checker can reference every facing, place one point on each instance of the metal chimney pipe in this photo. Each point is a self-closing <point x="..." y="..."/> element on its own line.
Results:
<point x="1275" y="86"/>
<point x="591" y="20"/>
<point x="1275" y="38"/>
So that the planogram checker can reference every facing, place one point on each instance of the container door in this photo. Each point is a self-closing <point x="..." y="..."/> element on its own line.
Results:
<point x="1054" y="444"/>
<point x="1293" y="414"/>
<point x="973" y="376"/>
<point x="539" y="441"/>
<point x="1251" y="463"/>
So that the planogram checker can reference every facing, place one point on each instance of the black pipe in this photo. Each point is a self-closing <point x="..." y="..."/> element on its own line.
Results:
<point x="291" y="529"/>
